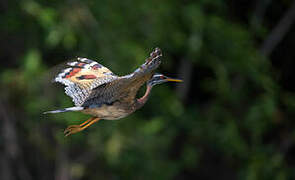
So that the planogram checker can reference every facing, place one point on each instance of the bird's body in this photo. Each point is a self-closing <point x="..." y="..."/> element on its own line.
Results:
<point x="109" y="112"/>
<point x="95" y="90"/>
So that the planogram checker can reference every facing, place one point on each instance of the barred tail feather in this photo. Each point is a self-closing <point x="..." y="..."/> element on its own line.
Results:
<point x="65" y="110"/>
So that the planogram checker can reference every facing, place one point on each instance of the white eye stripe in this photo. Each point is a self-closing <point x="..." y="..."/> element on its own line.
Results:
<point x="158" y="75"/>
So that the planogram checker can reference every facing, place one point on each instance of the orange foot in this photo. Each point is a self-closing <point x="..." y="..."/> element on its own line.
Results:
<point x="72" y="129"/>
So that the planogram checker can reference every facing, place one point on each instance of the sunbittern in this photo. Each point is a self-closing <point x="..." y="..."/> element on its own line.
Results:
<point x="95" y="90"/>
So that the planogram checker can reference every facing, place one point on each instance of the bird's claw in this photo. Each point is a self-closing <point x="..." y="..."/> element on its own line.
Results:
<point x="72" y="130"/>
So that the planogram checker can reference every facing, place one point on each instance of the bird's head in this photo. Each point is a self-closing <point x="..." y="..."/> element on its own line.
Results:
<point x="160" y="78"/>
<point x="156" y="79"/>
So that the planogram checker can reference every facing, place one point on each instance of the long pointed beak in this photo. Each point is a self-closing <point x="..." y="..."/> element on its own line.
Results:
<point x="173" y="80"/>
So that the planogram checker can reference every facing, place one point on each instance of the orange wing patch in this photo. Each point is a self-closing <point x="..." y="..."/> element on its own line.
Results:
<point x="84" y="69"/>
<point x="86" y="77"/>
<point x="72" y="72"/>
<point x="82" y="76"/>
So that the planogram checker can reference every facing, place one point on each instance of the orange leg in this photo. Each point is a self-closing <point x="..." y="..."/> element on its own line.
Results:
<point x="77" y="128"/>
<point x="87" y="121"/>
<point x="90" y="123"/>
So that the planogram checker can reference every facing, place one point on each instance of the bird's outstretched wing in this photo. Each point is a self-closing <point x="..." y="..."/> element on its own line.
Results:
<point x="147" y="68"/>
<point x="124" y="88"/>
<point x="82" y="76"/>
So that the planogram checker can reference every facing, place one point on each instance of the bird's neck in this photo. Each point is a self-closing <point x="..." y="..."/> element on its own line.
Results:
<point x="141" y="101"/>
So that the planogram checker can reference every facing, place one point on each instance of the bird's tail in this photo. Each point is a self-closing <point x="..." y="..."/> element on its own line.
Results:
<point x="65" y="110"/>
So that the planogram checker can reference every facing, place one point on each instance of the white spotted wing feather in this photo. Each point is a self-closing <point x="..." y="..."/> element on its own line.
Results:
<point x="82" y="77"/>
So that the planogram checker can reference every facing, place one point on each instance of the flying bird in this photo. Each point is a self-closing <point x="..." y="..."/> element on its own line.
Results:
<point x="95" y="90"/>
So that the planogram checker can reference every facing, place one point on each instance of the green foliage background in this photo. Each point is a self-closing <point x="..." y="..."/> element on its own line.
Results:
<point x="232" y="118"/>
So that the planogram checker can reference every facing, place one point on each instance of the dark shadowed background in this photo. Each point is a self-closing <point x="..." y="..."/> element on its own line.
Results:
<point x="232" y="118"/>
